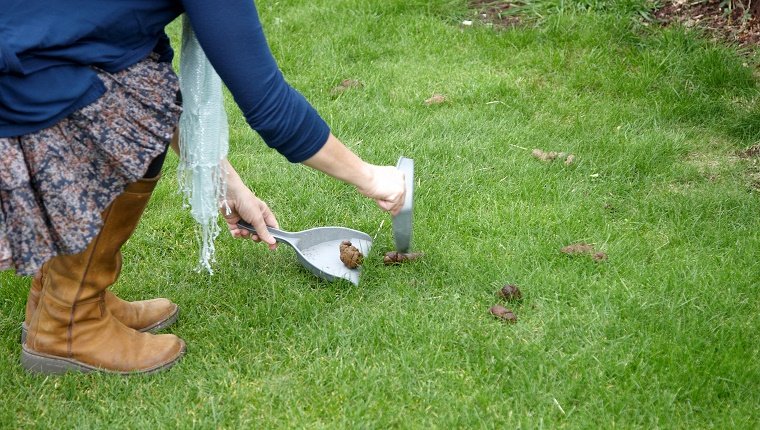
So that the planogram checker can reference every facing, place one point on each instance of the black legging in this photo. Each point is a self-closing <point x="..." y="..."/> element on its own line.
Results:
<point x="155" y="166"/>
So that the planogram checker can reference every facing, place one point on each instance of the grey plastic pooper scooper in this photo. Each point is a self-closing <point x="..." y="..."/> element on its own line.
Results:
<point x="318" y="249"/>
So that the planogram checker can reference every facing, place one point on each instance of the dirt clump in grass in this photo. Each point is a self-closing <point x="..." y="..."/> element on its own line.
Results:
<point x="350" y="255"/>
<point x="543" y="155"/>
<point x="395" y="257"/>
<point x="751" y="152"/>
<point x="346" y="85"/>
<point x="435" y="99"/>
<point x="584" y="249"/>
<point x="578" y="249"/>
<point x="503" y="314"/>
<point x="549" y="156"/>
<point x="510" y="292"/>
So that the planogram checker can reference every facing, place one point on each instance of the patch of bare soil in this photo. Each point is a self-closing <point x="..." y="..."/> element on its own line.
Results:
<point x="499" y="14"/>
<point x="752" y="154"/>
<point x="735" y="21"/>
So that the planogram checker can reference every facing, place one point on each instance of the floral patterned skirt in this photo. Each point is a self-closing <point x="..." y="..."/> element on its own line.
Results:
<point x="56" y="182"/>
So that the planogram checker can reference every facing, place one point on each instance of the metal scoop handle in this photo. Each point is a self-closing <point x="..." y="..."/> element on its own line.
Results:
<point x="279" y="235"/>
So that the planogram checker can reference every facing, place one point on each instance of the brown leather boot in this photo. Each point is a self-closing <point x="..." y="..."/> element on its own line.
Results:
<point x="144" y="315"/>
<point x="72" y="327"/>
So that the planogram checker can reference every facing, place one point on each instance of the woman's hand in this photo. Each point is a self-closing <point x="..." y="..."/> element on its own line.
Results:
<point x="243" y="204"/>
<point x="386" y="185"/>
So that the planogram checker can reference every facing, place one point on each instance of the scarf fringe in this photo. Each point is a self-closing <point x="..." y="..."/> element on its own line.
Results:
<point x="204" y="141"/>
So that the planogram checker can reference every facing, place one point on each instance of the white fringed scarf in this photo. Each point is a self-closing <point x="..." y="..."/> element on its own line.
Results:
<point x="203" y="142"/>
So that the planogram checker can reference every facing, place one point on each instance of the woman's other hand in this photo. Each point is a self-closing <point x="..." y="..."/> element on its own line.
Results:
<point x="243" y="204"/>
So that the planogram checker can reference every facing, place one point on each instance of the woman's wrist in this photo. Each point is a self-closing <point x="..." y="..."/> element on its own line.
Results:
<point x="232" y="176"/>
<point x="336" y="160"/>
<point x="361" y="176"/>
<point x="233" y="180"/>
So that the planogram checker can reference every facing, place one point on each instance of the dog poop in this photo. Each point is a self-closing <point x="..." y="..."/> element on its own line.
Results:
<point x="503" y="313"/>
<point x="394" y="257"/>
<point x="579" y="249"/>
<point x="510" y="293"/>
<point x="550" y="156"/>
<point x="350" y="255"/>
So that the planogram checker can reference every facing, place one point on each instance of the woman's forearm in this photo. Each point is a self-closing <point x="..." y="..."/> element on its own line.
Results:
<point x="384" y="184"/>
<point x="336" y="160"/>
<point x="333" y="159"/>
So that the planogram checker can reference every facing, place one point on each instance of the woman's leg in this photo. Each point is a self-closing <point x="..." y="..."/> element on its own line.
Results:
<point x="145" y="315"/>
<point x="154" y="169"/>
<point x="72" y="327"/>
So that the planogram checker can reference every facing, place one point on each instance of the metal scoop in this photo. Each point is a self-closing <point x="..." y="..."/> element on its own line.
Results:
<point x="318" y="249"/>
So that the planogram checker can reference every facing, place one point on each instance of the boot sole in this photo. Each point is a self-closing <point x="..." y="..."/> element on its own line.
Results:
<point x="35" y="362"/>
<point x="168" y="321"/>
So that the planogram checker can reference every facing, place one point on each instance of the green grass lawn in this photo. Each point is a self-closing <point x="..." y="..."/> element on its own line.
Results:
<point x="665" y="333"/>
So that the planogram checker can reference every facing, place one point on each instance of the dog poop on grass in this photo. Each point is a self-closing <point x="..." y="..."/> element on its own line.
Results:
<point x="350" y="255"/>
<point x="550" y="156"/>
<point x="580" y="249"/>
<point x="510" y="292"/>
<point x="435" y="99"/>
<point x="394" y="257"/>
<point x="346" y="85"/>
<point x="503" y="313"/>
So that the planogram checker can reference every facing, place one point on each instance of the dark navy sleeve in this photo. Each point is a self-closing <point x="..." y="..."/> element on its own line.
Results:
<point x="232" y="37"/>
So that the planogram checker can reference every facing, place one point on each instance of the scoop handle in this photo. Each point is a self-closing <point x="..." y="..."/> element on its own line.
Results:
<point x="279" y="235"/>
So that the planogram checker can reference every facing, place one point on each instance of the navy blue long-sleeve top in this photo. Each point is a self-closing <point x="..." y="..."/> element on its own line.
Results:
<point x="48" y="49"/>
